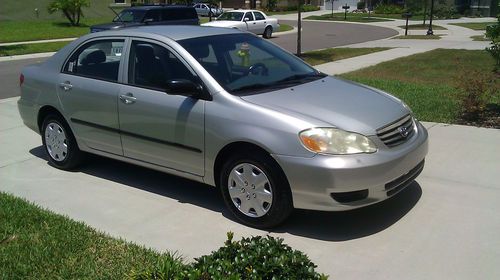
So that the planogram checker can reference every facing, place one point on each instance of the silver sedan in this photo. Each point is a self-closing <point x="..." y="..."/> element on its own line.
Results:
<point x="228" y="109"/>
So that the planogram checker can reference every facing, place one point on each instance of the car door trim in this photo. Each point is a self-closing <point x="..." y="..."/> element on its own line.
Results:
<point x="139" y="136"/>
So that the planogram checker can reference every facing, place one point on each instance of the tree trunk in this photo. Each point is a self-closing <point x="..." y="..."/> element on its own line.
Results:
<point x="69" y="17"/>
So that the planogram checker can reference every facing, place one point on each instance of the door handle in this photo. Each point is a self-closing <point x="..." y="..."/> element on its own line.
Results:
<point x="128" y="98"/>
<point x="66" y="86"/>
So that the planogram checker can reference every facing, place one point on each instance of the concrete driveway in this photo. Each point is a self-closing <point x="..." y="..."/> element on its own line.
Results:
<point x="444" y="226"/>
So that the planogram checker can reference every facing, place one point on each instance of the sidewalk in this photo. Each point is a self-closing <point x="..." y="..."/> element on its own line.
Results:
<point x="37" y="42"/>
<point x="455" y="37"/>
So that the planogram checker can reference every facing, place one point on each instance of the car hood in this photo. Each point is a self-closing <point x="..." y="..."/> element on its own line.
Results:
<point x="113" y="25"/>
<point x="221" y="23"/>
<point x="339" y="103"/>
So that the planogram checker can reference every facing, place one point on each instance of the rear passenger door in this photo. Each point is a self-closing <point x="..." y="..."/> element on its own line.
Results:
<point x="88" y="89"/>
<point x="260" y="22"/>
<point x="158" y="128"/>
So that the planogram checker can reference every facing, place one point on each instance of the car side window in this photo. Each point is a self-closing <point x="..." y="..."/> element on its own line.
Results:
<point x="152" y="66"/>
<point x="249" y="15"/>
<point x="154" y="15"/>
<point x="97" y="59"/>
<point x="259" y="16"/>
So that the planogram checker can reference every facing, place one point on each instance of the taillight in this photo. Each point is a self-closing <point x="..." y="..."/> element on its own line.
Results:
<point x="21" y="79"/>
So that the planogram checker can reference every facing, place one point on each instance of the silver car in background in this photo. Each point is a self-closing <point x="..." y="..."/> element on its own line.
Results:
<point x="203" y="9"/>
<point x="228" y="109"/>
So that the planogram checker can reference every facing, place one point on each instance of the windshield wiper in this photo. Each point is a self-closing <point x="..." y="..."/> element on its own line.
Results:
<point x="294" y="79"/>
<point x="300" y="78"/>
<point x="250" y="87"/>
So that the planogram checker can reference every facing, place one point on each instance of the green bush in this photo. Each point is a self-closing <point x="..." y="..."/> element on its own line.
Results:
<point x="477" y="89"/>
<point x="493" y="34"/>
<point x="305" y="8"/>
<point x="361" y="5"/>
<point x="445" y="12"/>
<point x="250" y="258"/>
<point x="388" y="9"/>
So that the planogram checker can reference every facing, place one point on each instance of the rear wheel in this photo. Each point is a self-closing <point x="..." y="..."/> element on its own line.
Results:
<point x="268" y="32"/>
<point x="256" y="190"/>
<point x="59" y="143"/>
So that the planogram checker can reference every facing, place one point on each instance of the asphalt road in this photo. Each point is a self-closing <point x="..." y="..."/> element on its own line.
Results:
<point x="320" y="35"/>
<point x="315" y="35"/>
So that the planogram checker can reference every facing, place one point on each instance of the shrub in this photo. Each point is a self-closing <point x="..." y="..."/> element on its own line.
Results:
<point x="361" y="5"/>
<point x="250" y="258"/>
<point x="388" y="9"/>
<point x="305" y="8"/>
<point x="477" y="89"/>
<point x="493" y="34"/>
<point x="257" y="258"/>
<point x="445" y="12"/>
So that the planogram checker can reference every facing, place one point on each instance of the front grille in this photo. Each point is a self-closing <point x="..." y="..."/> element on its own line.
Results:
<point x="403" y="181"/>
<point x="398" y="132"/>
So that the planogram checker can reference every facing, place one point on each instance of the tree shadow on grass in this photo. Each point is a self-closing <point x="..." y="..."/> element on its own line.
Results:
<point x="328" y="226"/>
<point x="67" y="24"/>
<point x="7" y="50"/>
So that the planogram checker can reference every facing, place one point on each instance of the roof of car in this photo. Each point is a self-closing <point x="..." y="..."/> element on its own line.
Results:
<point x="243" y="11"/>
<point x="151" y="7"/>
<point x="174" y="32"/>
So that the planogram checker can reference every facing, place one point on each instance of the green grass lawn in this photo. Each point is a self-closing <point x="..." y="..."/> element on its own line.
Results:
<point x="17" y="31"/>
<point x="479" y="38"/>
<point x="428" y="82"/>
<point x="38" y="244"/>
<point x="31" y="48"/>
<point x="350" y="17"/>
<point x="284" y="27"/>
<point x="474" y="25"/>
<point x="328" y="55"/>
<point x="418" y="37"/>
<point x="422" y="27"/>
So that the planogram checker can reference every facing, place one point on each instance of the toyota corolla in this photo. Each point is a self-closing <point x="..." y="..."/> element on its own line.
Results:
<point x="228" y="109"/>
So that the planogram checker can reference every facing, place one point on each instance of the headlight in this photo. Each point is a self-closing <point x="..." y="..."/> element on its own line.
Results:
<point x="336" y="141"/>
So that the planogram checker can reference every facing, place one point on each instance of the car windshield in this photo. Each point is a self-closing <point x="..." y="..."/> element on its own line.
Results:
<point x="130" y="16"/>
<point x="232" y="16"/>
<point x="244" y="64"/>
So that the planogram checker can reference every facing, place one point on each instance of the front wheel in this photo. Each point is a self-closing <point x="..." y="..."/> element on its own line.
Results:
<point x="268" y="32"/>
<point x="256" y="190"/>
<point x="59" y="143"/>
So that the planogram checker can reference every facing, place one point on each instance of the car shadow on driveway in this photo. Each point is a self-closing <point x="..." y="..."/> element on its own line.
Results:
<point x="328" y="226"/>
<point x="353" y="224"/>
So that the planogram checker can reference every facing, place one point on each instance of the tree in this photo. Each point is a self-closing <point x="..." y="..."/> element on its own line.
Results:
<point x="71" y="9"/>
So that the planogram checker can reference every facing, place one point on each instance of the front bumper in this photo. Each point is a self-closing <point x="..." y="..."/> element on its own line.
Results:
<point x="335" y="183"/>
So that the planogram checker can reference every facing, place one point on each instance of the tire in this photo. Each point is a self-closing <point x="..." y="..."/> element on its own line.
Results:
<point x="59" y="143"/>
<point x="274" y="197"/>
<point x="268" y="32"/>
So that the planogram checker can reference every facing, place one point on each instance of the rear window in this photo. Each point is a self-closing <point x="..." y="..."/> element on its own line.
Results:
<point x="179" y="14"/>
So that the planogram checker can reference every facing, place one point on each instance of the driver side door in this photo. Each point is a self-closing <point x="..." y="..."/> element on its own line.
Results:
<point x="158" y="128"/>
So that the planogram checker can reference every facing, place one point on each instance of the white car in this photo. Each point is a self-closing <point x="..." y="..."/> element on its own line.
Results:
<point x="247" y="20"/>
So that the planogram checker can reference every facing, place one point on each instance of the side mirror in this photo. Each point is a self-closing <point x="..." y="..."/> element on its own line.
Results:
<point x="148" y="20"/>
<point x="183" y="87"/>
<point x="246" y="19"/>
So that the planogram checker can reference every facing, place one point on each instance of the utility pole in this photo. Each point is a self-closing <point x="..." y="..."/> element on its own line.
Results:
<point x="299" y="26"/>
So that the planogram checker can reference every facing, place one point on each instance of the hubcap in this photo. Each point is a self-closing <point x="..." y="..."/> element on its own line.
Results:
<point x="250" y="190"/>
<point x="56" y="141"/>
